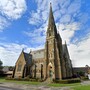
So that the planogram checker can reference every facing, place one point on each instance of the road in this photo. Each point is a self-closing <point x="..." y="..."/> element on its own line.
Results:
<point x="8" y="88"/>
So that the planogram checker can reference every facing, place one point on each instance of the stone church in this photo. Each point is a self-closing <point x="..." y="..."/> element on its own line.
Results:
<point x="51" y="62"/>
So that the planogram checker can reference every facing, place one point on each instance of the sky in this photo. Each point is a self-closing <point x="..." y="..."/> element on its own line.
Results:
<point x="23" y="25"/>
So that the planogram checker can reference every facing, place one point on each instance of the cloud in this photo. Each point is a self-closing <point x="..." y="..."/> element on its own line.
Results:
<point x="80" y="52"/>
<point x="13" y="9"/>
<point x="35" y="19"/>
<point x="9" y="52"/>
<point x="3" y="23"/>
<point x="63" y="12"/>
<point x="70" y="19"/>
<point x="37" y="36"/>
<point x="74" y="6"/>
<point x="67" y="31"/>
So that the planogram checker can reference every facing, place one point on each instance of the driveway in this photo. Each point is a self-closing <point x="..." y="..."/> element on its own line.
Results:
<point x="13" y="86"/>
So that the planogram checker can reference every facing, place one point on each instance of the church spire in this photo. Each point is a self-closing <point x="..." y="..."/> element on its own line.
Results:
<point x="51" y="22"/>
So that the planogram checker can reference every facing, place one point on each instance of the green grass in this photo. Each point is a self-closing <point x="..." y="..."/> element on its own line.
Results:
<point x="62" y="85"/>
<point x="82" y="87"/>
<point x="2" y="80"/>
<point x="73" y="86"/>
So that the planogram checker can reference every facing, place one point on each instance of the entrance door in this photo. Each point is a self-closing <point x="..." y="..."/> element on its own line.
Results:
<point x="50" y="71"/>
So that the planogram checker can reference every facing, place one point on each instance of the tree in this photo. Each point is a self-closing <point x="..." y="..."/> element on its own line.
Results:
<point x="1" y="67"/>
<point x="1" y="63"/>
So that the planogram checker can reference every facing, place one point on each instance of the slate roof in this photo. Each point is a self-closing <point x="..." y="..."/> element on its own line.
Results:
<point x="28" y="58"/>
<point x="78" y="69"/>
<point x="65" y="50"/>
<point x="38" y="54"/>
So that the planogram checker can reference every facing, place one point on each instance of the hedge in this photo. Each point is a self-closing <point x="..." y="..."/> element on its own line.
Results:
<point x="67" y="81"/>
<point x="24" y="79"/>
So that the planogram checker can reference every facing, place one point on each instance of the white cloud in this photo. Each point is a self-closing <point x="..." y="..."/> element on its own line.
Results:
<point x="9" y="52"/>
<point x="80" y="52"/>
<point x="3" y="23"/>
<point x="67" y="31"/>
<point x="35" y="19"/>
<point x="64" y="11"/>
<point x="70" y="19"/>
<point x="65" y="18"/>
<point x="40" y="15"/>
<point x="37" y="36"/>
<point x="12" y="9"/>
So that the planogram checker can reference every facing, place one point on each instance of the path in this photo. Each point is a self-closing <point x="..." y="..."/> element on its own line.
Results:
<point x="42" y="86"/>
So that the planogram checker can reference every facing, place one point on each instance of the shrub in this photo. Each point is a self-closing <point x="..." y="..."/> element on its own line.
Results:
<point x="8" y="78"/>
<point x="84" y="78"/>
<point x="27" y="78"/>
<point x="67" y="81"/>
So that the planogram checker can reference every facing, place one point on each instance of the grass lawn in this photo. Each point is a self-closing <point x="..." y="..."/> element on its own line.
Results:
<point x="2" y="80"/>
<point x="82" y="87"/>
<point x="74" y="86"/>
<point x="62" y="85"/>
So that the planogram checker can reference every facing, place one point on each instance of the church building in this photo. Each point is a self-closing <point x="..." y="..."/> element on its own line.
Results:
<point x="51" y="62"/>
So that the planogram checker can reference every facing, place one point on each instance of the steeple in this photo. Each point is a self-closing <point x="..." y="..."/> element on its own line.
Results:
<point x="51" y="22"/>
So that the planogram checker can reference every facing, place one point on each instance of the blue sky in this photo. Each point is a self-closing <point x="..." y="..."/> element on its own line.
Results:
<point x="23" y="24"/>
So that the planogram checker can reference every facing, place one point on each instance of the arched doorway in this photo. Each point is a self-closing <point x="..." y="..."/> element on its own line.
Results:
<point x="50" y="70"/>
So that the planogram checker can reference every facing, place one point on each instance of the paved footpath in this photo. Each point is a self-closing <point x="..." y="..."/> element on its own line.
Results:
<point x="13" y="86"/>
<point x="8" y="88"/>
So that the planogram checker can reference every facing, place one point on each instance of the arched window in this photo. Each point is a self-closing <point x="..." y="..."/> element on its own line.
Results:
<point x="19" y="67"/>
<point x="41" y="70"/>
<point x="35" y="71"/>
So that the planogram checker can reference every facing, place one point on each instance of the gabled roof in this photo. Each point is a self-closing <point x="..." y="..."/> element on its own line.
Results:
<point x="28" y="58"/>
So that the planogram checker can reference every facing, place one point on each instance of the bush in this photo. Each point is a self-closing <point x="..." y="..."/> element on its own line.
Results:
<point x="84" y="78"/>
<point x="67" y="81"/>
<point x="24" y="79"/>
<point x="27" y="78"/>
<point x="8" y="78"/>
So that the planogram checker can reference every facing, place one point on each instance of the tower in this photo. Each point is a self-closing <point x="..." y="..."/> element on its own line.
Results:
<point x="53" y="50"/>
